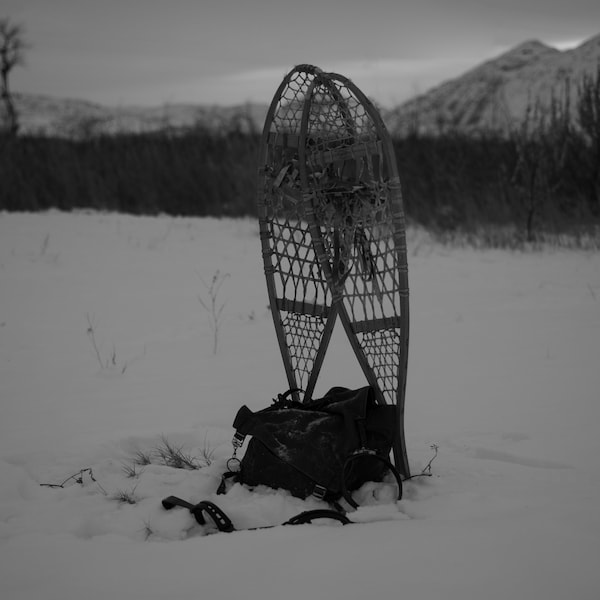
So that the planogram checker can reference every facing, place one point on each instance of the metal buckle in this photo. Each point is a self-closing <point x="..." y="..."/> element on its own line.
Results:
<point x="363" y="450"/>
<point x="238" y="440"/>
<point x="319" y="492"/>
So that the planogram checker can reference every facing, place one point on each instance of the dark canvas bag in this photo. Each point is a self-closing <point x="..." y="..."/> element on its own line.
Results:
<point x="325" y="447"/>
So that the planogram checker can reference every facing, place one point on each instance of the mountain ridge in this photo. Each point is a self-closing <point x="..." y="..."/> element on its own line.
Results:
<point x="497" y="94"/>
<point x="71" y="117"/>
<point x="493" y="96"/>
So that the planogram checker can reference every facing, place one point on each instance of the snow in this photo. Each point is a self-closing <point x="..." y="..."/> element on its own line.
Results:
<point x="503" y="378"/>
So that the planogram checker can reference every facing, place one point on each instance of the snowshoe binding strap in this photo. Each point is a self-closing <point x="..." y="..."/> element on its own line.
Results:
<point x="224" y="524"/>
<point x="220" y="519"/>
<point x="320" y="513"/>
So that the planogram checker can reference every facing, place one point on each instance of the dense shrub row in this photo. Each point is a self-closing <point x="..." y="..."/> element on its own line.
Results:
<point x="456" y="182"/>
<point x="544" y="177"/>
<point x="194" y="173"/>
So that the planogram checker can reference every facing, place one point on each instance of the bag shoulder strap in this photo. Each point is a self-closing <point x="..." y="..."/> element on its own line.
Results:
<point x="371" y="455"/>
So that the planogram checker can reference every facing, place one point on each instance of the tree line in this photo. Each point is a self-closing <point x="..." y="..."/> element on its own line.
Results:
<point x="542" y="178"/>
<point x="194" y="173"/>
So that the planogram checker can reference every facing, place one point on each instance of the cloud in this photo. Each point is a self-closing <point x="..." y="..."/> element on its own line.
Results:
<point x="566" y="44"/>
<point x="387" y="80"/>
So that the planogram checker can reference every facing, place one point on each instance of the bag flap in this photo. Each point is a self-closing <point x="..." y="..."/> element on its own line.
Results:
<point x="243" y="420"/>
<point x="343" y="401"/>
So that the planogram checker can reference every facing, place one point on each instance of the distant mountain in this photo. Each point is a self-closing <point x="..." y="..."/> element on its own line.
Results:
<point x="495" y="96"/>
<point x="79" y="118"/>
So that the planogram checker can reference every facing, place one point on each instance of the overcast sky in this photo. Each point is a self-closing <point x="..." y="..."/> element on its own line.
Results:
<point x="232" y="51"/>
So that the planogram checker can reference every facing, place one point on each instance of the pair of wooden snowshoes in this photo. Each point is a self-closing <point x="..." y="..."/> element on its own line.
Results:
<point x="333" y="235"/>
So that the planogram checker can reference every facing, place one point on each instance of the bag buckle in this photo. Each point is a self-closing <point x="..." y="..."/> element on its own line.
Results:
<point x="364" y="450"/>
<point x="237" y="441"/>
<point x="319" y="492"/>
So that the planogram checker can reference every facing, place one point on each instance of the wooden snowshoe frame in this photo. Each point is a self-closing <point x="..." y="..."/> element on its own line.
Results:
<point x="333" y="235"/>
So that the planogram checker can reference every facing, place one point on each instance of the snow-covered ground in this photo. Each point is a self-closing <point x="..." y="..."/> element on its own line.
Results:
<point x="504" y="377"/>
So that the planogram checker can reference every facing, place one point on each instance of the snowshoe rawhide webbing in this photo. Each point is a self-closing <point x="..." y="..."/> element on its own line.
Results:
<point x="333" y="235"/>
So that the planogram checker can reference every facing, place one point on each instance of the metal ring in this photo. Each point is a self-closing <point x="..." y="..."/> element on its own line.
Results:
<point x="237" y="465"/>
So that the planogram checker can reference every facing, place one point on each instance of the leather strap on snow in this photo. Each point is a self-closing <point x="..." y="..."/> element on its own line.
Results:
<point x="224" y="524"/>
<point x="320" y="513"/>
<point x="221" y="520"/>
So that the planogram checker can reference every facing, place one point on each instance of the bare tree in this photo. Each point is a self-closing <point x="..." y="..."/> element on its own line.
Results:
<point x="528" y="175"/>
<point x="12" y="53"/>
<point x="541" y="144"/>
<point x="588" y="119"/>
